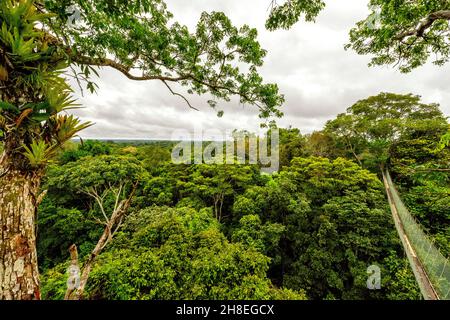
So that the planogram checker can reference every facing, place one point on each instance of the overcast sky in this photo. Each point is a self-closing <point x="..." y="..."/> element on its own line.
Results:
<point x="318" y="77"/>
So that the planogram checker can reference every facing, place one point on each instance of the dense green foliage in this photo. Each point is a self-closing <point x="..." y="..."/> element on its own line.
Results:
<point x="165" y="253"/>
<point x="286" y="14"/>
<point x="336" y="222"/>
<point x="230" y="232"/>
<point x="221" y="231"/>
<point x="422" y="171"/>
<point x="402" y="133"/>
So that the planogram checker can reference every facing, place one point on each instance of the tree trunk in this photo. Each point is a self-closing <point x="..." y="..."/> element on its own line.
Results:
<point x="78" y="293"/>
<point x="102" y="242"/>
<point x="19" y="274"/>
<point x="73" y="281"/>
<point x="113" y="224"/>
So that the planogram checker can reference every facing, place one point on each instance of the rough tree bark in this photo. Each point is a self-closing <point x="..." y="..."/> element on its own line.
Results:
<point x="19" y="274"/>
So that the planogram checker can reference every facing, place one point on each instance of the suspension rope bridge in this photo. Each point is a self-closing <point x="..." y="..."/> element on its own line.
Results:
<point x="431" y="269"/>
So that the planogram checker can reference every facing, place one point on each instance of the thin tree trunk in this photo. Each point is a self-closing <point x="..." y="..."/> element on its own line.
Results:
<point x="112" y="225"/>
<point x="102" y="242"/>
<point x="221" y="206"/>
<point x="19" y="274"/>
<point x="74" y="274"/>
<point x="352" y="150"/>
<point x="216" y="210"/>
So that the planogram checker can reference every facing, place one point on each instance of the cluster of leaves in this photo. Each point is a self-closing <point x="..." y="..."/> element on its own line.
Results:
<point x="292" y="145"/>
<point x="445" y="141"/>
<point x="69" y="214"/>
<point x="34" y="93"/>
<point x="140" y="35"/>
<point x="285" y="15"/>
<point x="201" y="186"/>
<point x="404" y="33"/>
<point x="181" y="254"/>
<point x="337" y="224"/>
<point x="165" y="253"/>
<point x="421" y="169"/>
<point x="73" y="152"/>
<point x="311" y="230"/>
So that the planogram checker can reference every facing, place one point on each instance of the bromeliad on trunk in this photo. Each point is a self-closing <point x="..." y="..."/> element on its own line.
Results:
<point x="40" y="40"/>
<point x="33" y="94"/>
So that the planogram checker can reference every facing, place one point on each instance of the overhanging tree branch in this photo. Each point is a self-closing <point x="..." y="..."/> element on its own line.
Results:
<point x="425" y="24"/>
<point x="213" y="84"/>
<point x="105" y="62"/>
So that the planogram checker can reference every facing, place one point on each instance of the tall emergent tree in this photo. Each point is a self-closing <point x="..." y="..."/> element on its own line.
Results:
<point x="373" y="126"/>
<point x="40" y="40"/>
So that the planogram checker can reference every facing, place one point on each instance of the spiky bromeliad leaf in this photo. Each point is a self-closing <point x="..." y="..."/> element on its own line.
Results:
<point x="39" y="153"/>
<point x="68" y="127"/>
<point x="61" y="100"/>
<point x="17" y="32"/>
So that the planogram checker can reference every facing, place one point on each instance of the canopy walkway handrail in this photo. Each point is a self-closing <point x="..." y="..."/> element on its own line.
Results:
<point x="431" y="269"/>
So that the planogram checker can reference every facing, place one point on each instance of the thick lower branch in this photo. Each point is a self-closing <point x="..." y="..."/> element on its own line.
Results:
<point x="104" y="62"/>
<point x="425" y="24"/>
